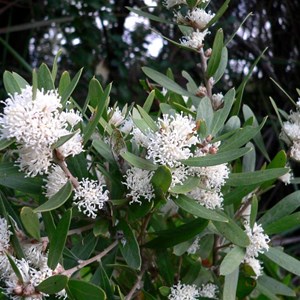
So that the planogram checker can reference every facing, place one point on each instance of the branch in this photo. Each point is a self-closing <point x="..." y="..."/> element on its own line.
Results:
<point x="207" y="81"/>
<point x="136" y="285"/>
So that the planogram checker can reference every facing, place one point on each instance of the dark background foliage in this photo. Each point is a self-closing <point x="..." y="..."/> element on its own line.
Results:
<point x="93" y="34"/>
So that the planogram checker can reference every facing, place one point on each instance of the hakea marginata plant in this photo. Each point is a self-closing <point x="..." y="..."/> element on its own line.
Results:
<point x="143" y="202"/>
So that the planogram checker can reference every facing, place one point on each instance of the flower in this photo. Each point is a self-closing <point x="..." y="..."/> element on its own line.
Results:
<point x="208" y="290"/>
<point x="181" y="291"/>
<point x="172" y="141"/>
<point x="36" y="125"/>
<point x="195" y="39"/>
<point x="199" y="18"/>
<point x="286" y="178"/>
<point x="90" y="197"/>
<point x="139" y="185"/>
<point x="217" y="100"/>
<point x="116" y="116"/>
<point x="55" y="181"/>
<point x="207" y="198"/>
<point x="5" y="234"/>
<point x="258" y="244"/>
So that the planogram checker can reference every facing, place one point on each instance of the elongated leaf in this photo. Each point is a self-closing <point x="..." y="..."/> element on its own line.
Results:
<point x="219" y="14"/>
<point x="283" y="208"/>
<point x="31" y="222"/>
<point x="251" y="178"/>
<point x="232" y="260"/>
<point x="57" y="246"/>
<point x="10" y="84"/>
<point x="57" y="200"/>
<point x="196" y="209"/>
<point x="166" y="82"/>
<point x="86" y="247"/>
<point x="82" y="290"/>
<point x="11" y="177"/>
<point x="254" y="209"/>
<point x="215" y="58"/>
<point x="15" y="268"/>
<point x="139" y="162"/>
<point x="101" y="279"/>
<point x="215" y="159"/>
<point x="95" y="90"/>
<point x="129" y="248"/>
<point x="177" y="235"/>
<point x="147" y="15"/>
<point x="104" y="150"/>
<point x="20" y="80"/>
<point x="64" y="82"/>
<point x="149" y="101"/>
<point x="230" y="285"/>
<point x="70" y="88"/>
<point x="63" y="139"/>
<point x="152" y="125"/>
<point x="162" y="178"/>
<point x="34" y="84"/>
<point x="222" y="65"/>
<point x="286" y="223"/>
<point x="45" y="80"/>
<point x="235" y="196"/>
<point x="221" y="115"/>
<point x="6" y="143"/>
<point x="103" y="101"/>
<point x="53" y="284"/>
<point x="192" y="87"/>
<point x="241" y="137"/>
<point x="284" y="260"/>
<point x="54" y="67"/>
<point x="15" y="242"/>
<point x="188" y="185"/>
<point x="205" y="113"/>
<point x="233" y="232"/>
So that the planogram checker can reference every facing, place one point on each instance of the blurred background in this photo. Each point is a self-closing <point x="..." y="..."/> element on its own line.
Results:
<point x="113" y="44"/>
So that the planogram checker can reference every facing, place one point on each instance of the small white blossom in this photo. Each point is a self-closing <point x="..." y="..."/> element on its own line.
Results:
<point x="179" y="175"/>
<point x="55" y="181"/>
<point x="295" y="150"/>
<point x="116" y="116"/>
<point x="199" y="18"/>
<point x="171" y="3"/>
<point x="172" y="141"/>
<point x="139" y="185"/>
<point x="139" y="137"/>
<point x="169" y="209"/>
<point x="90" y="197"/>
<point x="209" y="290"/>
<point x="181" y="291"/>
<point x="194" y="247"/>
<point x="71" y="147"/>
<point x="5" y="234"/>
<point x="207" y="198"/>
<point x="72" y="117"/>
<point x="217" y="100"/>
<point x="195" y="39"/>
<point x="35" y="255"/>
<point x="127" y="126"/>
<point x="255" y="264"/>
<point x="286" y="178"/>
<point x="258" y="244"/>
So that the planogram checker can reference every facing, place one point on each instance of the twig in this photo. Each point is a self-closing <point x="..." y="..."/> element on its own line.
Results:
<point x="144" y="226"/>
<point x="69" y="175"/>
<point x="207" y="81"/>
<point x="84" y="263"/>
<point x="136" y="285"/>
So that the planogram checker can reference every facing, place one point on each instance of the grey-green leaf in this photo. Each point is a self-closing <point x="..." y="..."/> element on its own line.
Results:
<point x="30" y="221"/>
<point x="53" y="284"/>
<point x="232" y="260"/>
<point x="139" y="162"/>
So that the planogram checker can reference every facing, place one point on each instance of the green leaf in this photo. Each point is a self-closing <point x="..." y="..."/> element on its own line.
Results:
<point x="196" y="209"/>
<point x="232" y="260"/>
<point x="161" y="180"/>
<point x="275" y="286"/>
<point x="130" y="249"/>
<point x="53" y="284"/>
<point x="283" y="208"/>
<point x="64" y="82"/>
<point x="284" y="260"/>
<point x="63" y="139"/>
<point x="103" y="100"/>
<point x="245" y="286"/>
<point x="286" y="223"/>
<point x="34" y="84"/>
<point x="222" y="65"/>
<point x="139" y="162"/>
<point x="15" y="268"/>
<point x="222" y="114"/>
<point x="188" y="185"/>
<point x="11" y="177"/>
<point x="54" y="67"/>
<point x="20" y="80"/>
<point x="57" y="245"/>
<point x="82" y="290"/>
<point x="250" y="178"/>
<point x="6" y="143"/>
<point x="235" y="196"/>
<point x="149" y="101"/>
<point x="101" y="279"/>
<point x="205" y="113"/>
<point x="177" y="235"/>
<point x="232" y="232"/>
<point x="15" y="242"/>
<point x="215" y="58"/>
<point x="219" y="14"/>
<point x="192" y="87"/>
<point x="70" y="88"/>
<point x="148" y="16"/>
<point x="230" y="285"/>
<point x="45" y="80"/>
<point x="86" y="247"/>
<point x="215" y="159"/>
<point x="57" y="200"/>
<point x="241" y="137"/>
<point x="152" y="125"/>
<point x="95" y="89"/>
<point x="101" y="228"/>
<point x="254" y="209"/>
<point x="10" y="83"/>
<point x="138" y="211"/>
<point x="166" y="82"/>
<point x="31" y="222"/>
<point x="104" y="150"/>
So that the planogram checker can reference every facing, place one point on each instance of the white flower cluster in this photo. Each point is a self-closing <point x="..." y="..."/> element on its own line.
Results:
<point x="181" y="291"/>
<point x="291" y="132"/>
<point x="258" y="244"/>
<point x="33" y="268"/>
<point x="36" y="124"/>
<point x="89" y="196"/>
